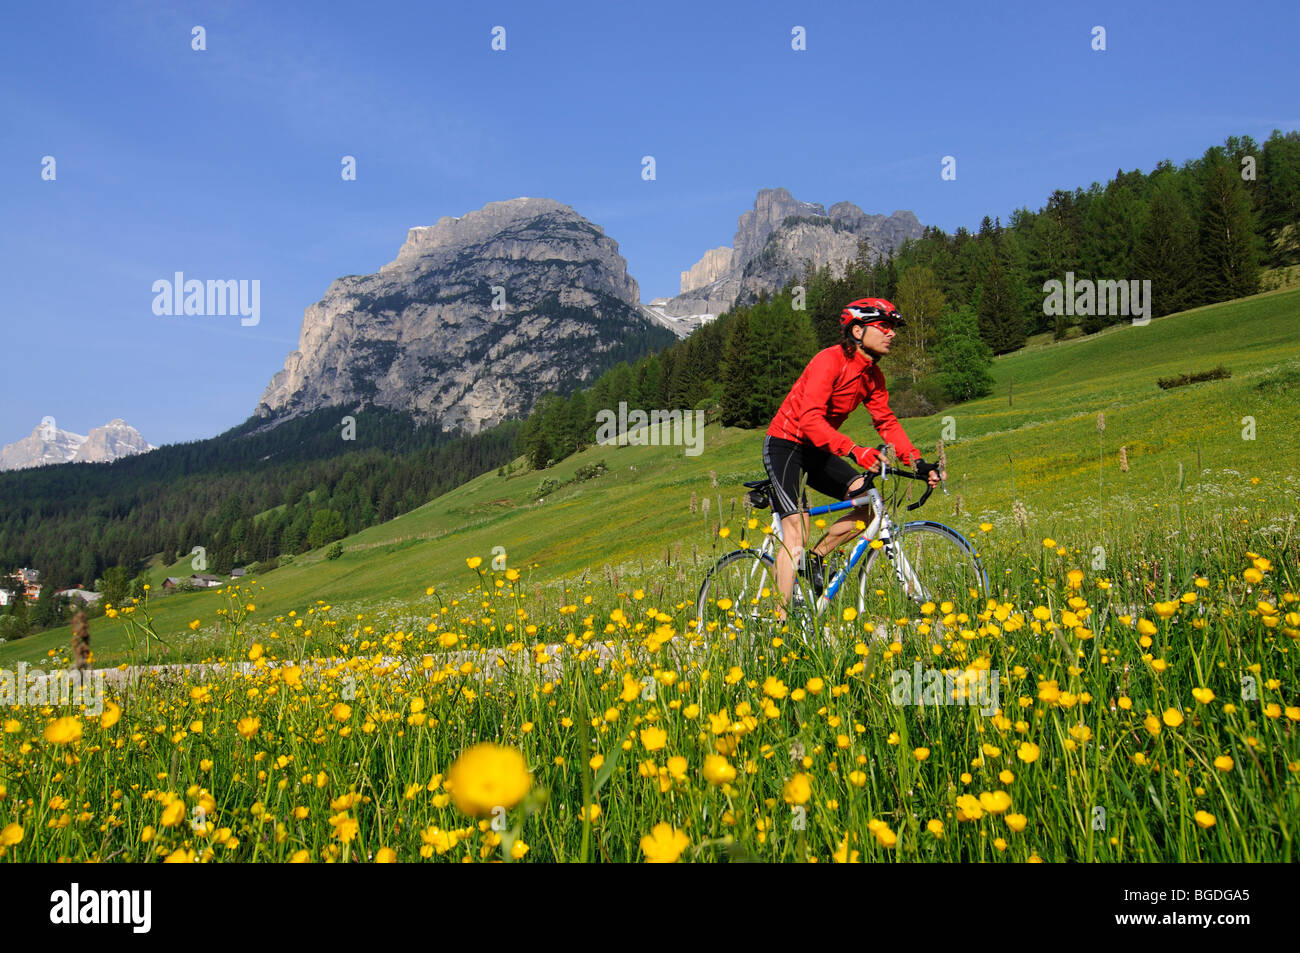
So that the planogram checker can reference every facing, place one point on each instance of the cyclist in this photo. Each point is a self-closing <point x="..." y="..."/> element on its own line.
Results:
<point x="804" y="436"/>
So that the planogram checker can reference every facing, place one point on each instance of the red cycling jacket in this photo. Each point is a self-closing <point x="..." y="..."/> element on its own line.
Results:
<point x="830" y="388"/>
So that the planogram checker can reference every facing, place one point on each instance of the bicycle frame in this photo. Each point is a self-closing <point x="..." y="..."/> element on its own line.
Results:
<point x="881" y="527"/>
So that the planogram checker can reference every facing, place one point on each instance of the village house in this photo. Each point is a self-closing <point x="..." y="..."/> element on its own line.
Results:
<point x="84" y="596"/>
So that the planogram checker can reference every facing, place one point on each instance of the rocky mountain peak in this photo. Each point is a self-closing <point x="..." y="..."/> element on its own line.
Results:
<point x="770" y="249"/>
<point x="475" y="318"/>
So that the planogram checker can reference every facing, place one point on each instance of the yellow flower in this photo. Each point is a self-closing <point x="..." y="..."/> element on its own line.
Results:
<point x="488" y="776"/>
<point x="386" y="855"/>
<point x="1152" y="725"/>
<point x="300" y="857"/>
<point x="1016" y="822"/>
<point x="718" y="770"/>
<point x="12" y="834"/>
<point x="995" y="802"/>
<point x="1028" y="752"/>
<point x="797" y="790"/>
<point x="724" y="532"/>
<point x="843" y="855"/>
<point x="1165" y="609"/>
<point x="345" y="827"/>
<point x="112" y="714"/>
<point x="884" y="836"/>
<point x="1205" y="819"/>
<point x="935" y="827"/>
<point x="774" y="687"/>
<point x="194" y="625"/>
<point x="664" y="844"/>
<point x="985" y="527"/>
<point x="173" y="814"/>
<point x="248" y="726"/>
<point x="1146" y="627"/>
<point x="921" y="753"/>
<point x="968" y="808"/>
<point x="1173" y="717"/>
<point x="64" y="730"/>
<point x="1203" y="695"/>
<point x="474" y="562"/>
<point x="341" y="712"/>
<point x="255" y="652"/>
<point x="653" y="738"/>
<point x="1075" y="578"/>
<point x="1223" y="762"/>
<point x="1253" y="576"/>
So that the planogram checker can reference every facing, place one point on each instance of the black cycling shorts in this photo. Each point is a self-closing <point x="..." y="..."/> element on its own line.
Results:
<point x="786" y="461"/>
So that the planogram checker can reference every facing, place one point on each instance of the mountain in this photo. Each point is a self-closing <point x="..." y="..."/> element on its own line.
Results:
<point x="774" y="240"/>
<point x="472" y="322"/>
<point x="48" y="444"/>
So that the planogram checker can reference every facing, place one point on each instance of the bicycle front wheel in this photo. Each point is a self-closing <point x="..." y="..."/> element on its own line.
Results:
<point x="924" y="562"/>
<point x="739" y="589"/>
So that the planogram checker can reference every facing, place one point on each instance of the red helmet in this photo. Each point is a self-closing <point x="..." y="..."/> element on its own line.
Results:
<point x="871" y="309"/>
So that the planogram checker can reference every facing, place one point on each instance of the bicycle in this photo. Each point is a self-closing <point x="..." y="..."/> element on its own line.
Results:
<point x="931" y="562"/>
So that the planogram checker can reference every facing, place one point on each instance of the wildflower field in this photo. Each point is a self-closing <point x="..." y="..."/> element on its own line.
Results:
<point x="418" y="700"/>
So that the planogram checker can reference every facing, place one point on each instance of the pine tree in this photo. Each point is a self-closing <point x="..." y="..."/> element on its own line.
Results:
<point x="1000" y="323"/>
<point x="1166" y="249"/>
<point x="741" y="399"/>
<point x="1230" y="247"/>
<point x="1279" y="174"/>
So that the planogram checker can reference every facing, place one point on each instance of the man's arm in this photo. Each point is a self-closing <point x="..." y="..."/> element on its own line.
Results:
<point x="819" y="379"/>
<point x="886" y="423"/>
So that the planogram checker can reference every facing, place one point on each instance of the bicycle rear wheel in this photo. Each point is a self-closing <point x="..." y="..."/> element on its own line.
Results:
<point x="931" y="563"/>
<point x="739" y="589"/>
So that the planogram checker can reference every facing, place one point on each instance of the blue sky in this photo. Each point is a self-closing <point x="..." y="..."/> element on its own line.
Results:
<point x="225" y="163"/>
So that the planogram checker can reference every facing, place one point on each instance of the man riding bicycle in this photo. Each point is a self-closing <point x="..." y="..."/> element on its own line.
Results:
<point x="804" y="438"/>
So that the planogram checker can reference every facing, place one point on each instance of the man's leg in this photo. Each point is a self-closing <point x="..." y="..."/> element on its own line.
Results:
<point x="845" y="527"/>
<point x="794" y="530"/>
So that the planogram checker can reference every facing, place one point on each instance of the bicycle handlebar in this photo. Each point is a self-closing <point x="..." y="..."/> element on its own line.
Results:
<point x="887" y="470"/>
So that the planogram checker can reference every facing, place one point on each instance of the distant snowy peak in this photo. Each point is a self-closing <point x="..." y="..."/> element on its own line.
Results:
<point x="48" y="444"/>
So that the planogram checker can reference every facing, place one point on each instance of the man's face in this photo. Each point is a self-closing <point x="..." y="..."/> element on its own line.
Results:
<point x="877" y="336"/>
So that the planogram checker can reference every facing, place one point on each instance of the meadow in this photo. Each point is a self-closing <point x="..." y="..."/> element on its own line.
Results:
<point x="493" y="677"/>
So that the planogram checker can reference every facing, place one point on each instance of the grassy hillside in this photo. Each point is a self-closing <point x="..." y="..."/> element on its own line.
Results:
<point x="1034" y="439"/>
